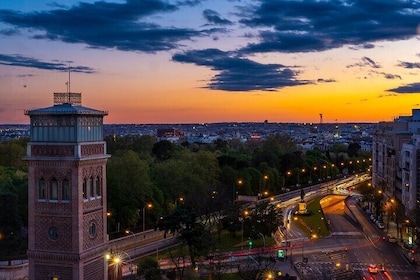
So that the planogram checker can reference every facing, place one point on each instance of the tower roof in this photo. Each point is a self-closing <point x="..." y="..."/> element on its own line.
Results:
<point x="66" y="109"/>
<point x="69" y="103"/>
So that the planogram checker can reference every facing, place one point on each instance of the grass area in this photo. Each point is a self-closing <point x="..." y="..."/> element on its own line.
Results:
<point x="313" y="224"/>
<point x="224" y="243"/>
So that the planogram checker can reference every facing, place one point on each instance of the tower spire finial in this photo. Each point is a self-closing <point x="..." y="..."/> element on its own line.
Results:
<point x="68" y="87"/>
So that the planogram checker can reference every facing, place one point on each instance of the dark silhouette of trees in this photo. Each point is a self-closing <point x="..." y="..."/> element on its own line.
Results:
<point x="184" y="222"/>
<point x="353" y="149"/>
<point x="149" y="268"/>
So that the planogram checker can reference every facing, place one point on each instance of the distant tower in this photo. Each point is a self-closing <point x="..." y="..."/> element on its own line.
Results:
<point x="336" y="130"/>
<point x="66" y="159"/>
<point x="320" y="119"/>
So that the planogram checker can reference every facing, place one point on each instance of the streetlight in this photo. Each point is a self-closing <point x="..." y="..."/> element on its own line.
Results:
<point x="245" y="214"/>
<point x="130" y="232"/>
<point x="303" y="170"/>
<point x="149" y="205"/>
<point x="265" y="177"/>
<point x="115" y="263"/>
<point x="239" y="182"/>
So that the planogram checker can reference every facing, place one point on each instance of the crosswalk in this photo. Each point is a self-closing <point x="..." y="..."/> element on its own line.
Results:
<point x="389" y="267"/>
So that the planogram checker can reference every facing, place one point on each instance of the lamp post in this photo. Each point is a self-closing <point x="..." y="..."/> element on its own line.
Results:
<point x="239" y="182"/>
<point x="130" y="232"/>
<point x="265" y="178"/>
<point x="245" y="214"/>
<point x="149" y="205"/>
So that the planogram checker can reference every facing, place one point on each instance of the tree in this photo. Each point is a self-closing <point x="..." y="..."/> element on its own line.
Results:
<point x="264" y="219"/>
<point x="163" y="149"/>
<point x="353" y="149"/>
<point x="192" y="233"/>
<point x="129" y="187"/>
<point x="12" y="152"/>
<point x="12" y="240"/>
<point x="257" y="267"/>
<point x="149" y="269"/>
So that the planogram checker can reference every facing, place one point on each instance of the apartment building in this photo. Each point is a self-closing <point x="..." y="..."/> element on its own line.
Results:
<point x="395" y="155"/>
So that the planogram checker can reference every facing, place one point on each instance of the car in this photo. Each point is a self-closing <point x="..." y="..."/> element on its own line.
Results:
<point x="380" y="225"/>
<point x="372" y="268"/>
<point x="392" y="239"/>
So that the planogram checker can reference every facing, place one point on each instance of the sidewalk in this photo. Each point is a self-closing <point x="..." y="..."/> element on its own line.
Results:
<point x="402" y="238"/>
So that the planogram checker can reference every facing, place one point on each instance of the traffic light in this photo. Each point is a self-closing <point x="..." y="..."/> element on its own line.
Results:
<point x="250" y="243"/>
<point x="280" y="254"/>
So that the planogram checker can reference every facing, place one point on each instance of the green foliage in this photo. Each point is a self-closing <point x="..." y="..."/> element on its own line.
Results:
<point x="12" y="152"/>
<point x="353" y="149"/>
<point x="12" y="239"/>
<point x="163" y="150"/>
<point x="191" y="232"/>
<point x="129" y="187"/>
<point x="264" y="219"/>
<point x="149" y="269"/>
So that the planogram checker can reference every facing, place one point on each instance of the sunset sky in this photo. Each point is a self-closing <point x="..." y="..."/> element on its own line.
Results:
<point x="195" y="61"/>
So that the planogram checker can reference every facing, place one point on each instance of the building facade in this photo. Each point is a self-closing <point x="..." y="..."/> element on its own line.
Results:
<point x="395" y="167"/>
<point x="66" y="159"/>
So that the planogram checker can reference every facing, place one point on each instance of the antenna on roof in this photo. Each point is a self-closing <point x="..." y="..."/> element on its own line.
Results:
<point x="68" y="87"/>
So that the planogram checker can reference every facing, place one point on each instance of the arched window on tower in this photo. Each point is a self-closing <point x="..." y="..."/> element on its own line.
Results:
<point x="41" y="189"/>
<point x="53" y="189"/>
<point x="65" y="190"/>
<point x="84" y="189"/>
<point x="98" y="186"/>
<point x="91" y="187"/>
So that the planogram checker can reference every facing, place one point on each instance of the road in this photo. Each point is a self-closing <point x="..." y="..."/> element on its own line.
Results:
<point x="354" y="247"/>
<point x="350" y="246"/>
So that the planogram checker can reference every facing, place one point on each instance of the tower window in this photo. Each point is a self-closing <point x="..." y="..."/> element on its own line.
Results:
<point x="54" y="189"/>
<point x="65" y="190"/>
<point x="53" y="232"/>
<point x="41" y="189"/>
<point x="98" y="187"/>
<point x="84" y="189"/>
<point x="92" y="229"/>
<point x="91" y="188"/>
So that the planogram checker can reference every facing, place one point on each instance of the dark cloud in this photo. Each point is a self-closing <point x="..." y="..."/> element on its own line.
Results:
<point x="312" y="25"/>
<point x="410" y="88"/>
<point x="370" y="62"/>
<point x="214" y="18"/>
<point x="366" y="62"/>
<point x="240" y="74"/>
<point x="21" y="61"/>
<point x="321" y="80"/>
<point x="9" y="32"/>
<point x="191" y="3"/>
<point x="409" y="65"/>
<point x="390" y="76"/>
<point x="106" y="25"/>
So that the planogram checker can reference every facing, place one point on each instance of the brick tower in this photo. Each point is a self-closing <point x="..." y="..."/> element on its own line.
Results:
<point x="66" y="159"/>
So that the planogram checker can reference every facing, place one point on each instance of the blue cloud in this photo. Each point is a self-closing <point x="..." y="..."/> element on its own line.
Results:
<point x="240" y="74"/>
<point x="410" y="88"/>
<point x="22" y="61"/>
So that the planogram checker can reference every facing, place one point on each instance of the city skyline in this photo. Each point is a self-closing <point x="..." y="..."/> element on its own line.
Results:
<point x="192" y="61"/>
